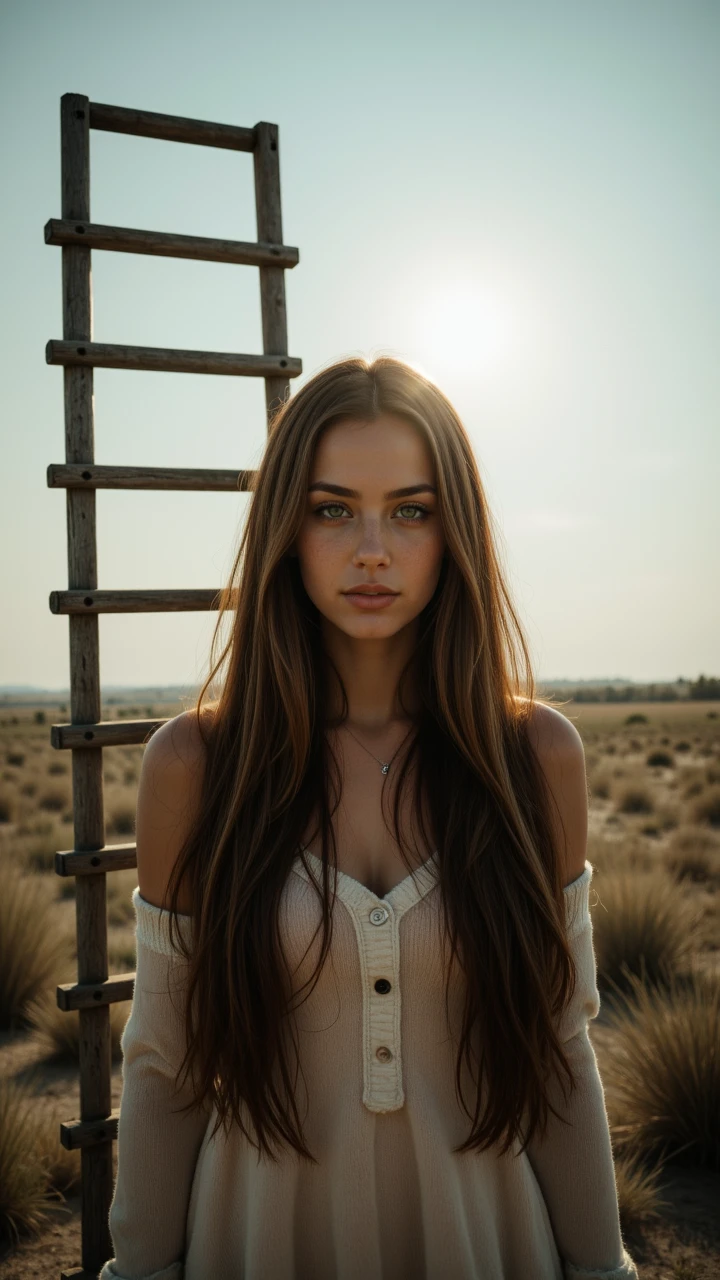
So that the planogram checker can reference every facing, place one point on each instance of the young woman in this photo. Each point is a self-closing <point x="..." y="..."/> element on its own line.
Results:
<point x="358" y="1045"/>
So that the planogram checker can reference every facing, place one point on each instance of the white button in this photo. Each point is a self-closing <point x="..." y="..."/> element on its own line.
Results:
<point x="383" y="1053"/>
<point x="378" y="915"/>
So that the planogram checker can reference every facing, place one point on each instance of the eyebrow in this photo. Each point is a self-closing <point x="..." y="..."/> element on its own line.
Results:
<point x="353" y="493"/>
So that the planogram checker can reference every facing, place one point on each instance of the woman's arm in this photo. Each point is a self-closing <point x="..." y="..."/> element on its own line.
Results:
<point x="157" y="1147"/>
<point x="573" y="1161"/>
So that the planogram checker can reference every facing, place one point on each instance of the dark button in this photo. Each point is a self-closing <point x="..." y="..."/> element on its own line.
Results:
<point x="382" y="986"/>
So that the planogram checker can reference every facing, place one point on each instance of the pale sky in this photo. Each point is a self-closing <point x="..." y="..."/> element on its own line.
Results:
<point x="522" y="199"/>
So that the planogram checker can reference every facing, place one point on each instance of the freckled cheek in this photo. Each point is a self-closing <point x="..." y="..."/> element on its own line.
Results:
<point x="320" y="556"/>
<point x="422" y="557"/>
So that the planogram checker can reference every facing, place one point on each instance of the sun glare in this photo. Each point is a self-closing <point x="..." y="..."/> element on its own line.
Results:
<point x="467" y="327"/>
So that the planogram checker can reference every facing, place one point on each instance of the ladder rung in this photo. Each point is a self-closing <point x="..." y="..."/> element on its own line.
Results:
<point x="92" y="235"/>
<point x="111" y="857"/>
<point x="108" y="355"/>
<point x="82" y="475"/>
<point x="92" y="995"/>
<point x="182" y="600"/>
<point x="87" y="1133"/>
<point x="153" y="124"/>
<point x="104" y="733"/>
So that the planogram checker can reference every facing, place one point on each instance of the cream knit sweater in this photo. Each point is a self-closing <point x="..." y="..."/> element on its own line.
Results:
<point x="389" y="1200"/>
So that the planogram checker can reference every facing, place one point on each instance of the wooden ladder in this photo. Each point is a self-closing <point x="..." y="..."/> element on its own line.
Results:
<point x="86" y="735"/>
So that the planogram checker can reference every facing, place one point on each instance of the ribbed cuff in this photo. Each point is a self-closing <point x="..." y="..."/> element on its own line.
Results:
<point x="175" y="1271"/>
<point x="626" y="1271"/>
<point x="152" y="928"/>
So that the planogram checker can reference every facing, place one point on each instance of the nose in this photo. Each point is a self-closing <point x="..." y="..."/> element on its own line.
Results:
<point x="371" y="549"/>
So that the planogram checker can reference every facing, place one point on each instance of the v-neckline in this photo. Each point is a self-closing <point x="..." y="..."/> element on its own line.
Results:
<point x="354" y="893"/>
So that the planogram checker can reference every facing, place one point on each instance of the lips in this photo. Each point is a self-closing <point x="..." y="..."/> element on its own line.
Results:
<point x="370" y="589"/>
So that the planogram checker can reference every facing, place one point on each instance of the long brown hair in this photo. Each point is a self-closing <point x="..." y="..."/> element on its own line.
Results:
<point x="269" y="768"/>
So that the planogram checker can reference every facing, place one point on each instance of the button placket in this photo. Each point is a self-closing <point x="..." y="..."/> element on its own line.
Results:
<point x="379" y="947"/>
<point x="376" y="923"/>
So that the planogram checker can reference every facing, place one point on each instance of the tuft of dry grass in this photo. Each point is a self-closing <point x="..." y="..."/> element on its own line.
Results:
<point x="638" y="1190"/>
<point x="662" y="1076"/>
<point x="28" y="1162"/>
<point x="600" y="786"/>
<point x="693" y="854"/>
<point x="8" y="805"/>
<point x="635" y="799"/>
<point x="707" y="807"/>
<point x="121" y="820"/>
<point x="32" y="945"/>
<point x="54" y="799"/>
<point x="642" y="924"/>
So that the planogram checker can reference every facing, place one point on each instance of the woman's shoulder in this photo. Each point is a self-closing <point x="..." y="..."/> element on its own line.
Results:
<point x="560" y="754"/>
<point x="169" y="791"/>
<point x="553" y="736"/>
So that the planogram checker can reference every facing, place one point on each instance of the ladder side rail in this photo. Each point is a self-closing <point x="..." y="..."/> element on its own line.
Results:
<point x="266" y="162"/>
<point x="85" y="695"/>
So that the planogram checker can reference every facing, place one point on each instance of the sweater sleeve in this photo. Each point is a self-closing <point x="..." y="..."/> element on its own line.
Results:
<point x="157" y="1148"/>
<point x="573" y="1162"/>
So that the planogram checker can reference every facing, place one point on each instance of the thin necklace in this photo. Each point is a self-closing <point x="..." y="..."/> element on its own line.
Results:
<point x="384" y="765"/>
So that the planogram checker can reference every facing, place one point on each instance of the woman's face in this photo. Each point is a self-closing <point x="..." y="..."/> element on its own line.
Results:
<point x="361" y="529"/>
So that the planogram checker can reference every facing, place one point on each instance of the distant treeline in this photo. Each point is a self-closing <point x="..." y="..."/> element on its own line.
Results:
<point x="704" y="689"/>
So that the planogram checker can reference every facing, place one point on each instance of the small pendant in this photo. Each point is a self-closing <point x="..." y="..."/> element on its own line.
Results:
<point x="384" y="768"/>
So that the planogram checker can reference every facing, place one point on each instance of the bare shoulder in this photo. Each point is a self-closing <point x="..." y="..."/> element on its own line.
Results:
<point x="168" y="794"/>
<point x="559" y="750"/>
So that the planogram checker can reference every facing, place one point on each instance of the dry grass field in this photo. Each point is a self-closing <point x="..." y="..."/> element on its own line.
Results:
<point x="654" y="772"/>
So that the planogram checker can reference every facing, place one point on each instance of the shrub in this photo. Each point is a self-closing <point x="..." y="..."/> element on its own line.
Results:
<point x="8" y="805"/>
<point x="637" y="1191"/>
<point x="53" y="800"/>
<point x="660" y="760"/>
<point x="635" y="799"/>
<point x="16" y="758"/>
<point x="683" y="746"/>
<point x="641" y="924"/>
<point x="693" y="854"/>
<point x="707" y="807"/>
<point x="662" y="1075"/>
<point x="122" y="820"/>
<point x="693" y="789"/>
<point x="636" y="718"/>
<point x="24" y="1168"/>
<point x="600" y="787"/>
<point x="32" y="947"/>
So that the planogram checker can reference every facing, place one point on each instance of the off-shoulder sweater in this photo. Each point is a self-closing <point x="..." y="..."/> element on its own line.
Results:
<point x="389" y="1199"/>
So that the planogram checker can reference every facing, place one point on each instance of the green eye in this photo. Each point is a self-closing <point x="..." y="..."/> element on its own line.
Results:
<point x="419" y="512"/>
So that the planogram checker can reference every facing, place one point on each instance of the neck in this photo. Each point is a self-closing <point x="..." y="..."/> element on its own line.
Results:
<point x="370" y="671"/>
